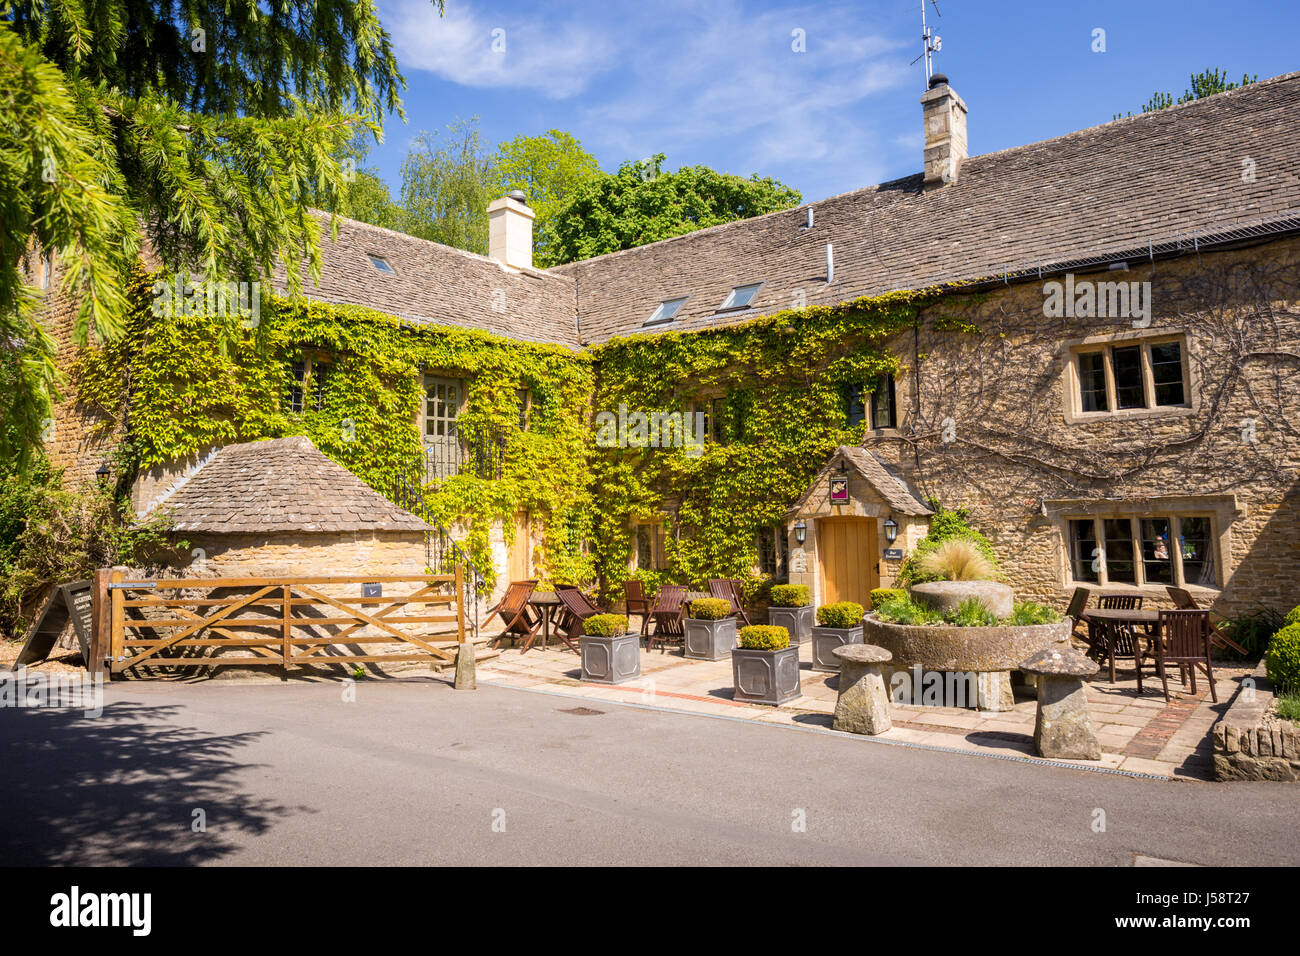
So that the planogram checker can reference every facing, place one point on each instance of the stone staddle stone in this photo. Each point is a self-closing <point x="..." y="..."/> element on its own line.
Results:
<point x="1063" y="728"/>
<point x="862" y="706"/>
<point x="466" y="678"/>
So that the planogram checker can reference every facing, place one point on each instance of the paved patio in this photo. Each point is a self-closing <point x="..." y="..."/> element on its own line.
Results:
<point x="1138" y="734"/>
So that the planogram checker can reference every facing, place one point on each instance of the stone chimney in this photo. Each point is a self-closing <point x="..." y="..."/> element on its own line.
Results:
<point x="945" y="132"/>
<point x="510" y="230"/>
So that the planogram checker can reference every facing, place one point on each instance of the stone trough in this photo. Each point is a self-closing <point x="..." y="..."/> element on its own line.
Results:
<point x="990" y="653"/>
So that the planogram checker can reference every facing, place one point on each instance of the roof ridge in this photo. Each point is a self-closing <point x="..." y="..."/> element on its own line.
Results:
<point x="1252" y="87"/>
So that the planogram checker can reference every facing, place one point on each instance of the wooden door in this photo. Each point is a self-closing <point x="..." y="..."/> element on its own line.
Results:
<point x="849" y="559"/>
<point x="521" y="550"/>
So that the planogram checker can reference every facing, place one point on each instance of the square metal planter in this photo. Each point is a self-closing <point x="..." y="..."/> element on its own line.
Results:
<point x="610" y="660"/>
<point x="824" y="642"/>
<point x="766" y="677"/>
<point x="708" y="640"/>
<point x="797" y="620"/>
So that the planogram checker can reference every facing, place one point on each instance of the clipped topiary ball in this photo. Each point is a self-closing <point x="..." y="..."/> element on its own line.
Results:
<point x="842" y="614"/>
<point x="710" y="609"/>
<point x="1283" y="658"/>
<point x="605" y="625"/>
<point x="791" y="595"/>
<point x="764" y="637"/>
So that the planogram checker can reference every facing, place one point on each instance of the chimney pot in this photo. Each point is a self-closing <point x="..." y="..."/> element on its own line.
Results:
<point x="510" y="230"/>
<point x="944" y="114"/>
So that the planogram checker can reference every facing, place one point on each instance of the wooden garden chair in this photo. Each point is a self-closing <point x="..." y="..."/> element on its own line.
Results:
<point x="725" y="589"/>
<point x="1115" y="639"/>
<point x="1120" y="602"/>
<point x="1184" y="640"/>
<point x="667" y="614"/>
<point x="634" y="592"/>
<point x="519" y="621"/>
<point x="1184" y="601"/>
<point x="1078" y="601"/>
<point x="576" y="610"/>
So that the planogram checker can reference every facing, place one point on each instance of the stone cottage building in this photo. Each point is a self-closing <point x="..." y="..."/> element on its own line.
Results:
<point x="1110" y="383"/>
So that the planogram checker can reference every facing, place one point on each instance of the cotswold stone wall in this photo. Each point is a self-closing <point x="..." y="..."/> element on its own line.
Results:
<point x="302" y="554"/>
<point x="81" y="438"/>
<point x="996" y="429"/>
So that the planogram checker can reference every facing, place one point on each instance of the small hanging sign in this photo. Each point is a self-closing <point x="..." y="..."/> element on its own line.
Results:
<point x="839" y="491"/>
<point x="372" y="590"/>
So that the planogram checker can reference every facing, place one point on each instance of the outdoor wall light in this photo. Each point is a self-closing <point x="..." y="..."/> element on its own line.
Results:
<point x="891" y="530"/>
<point x="102" y="472"/>
<point x="800" y="531"/>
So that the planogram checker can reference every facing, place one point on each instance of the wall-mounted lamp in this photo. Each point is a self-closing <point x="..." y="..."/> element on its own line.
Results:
<point x="891" y="530"/>
<point x="800" y="531"/>
<point x="102" y="472"/>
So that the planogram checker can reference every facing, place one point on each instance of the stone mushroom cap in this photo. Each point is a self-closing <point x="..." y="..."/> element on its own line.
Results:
<point x="1059" y="662"/>
<point x="863" y="654"/>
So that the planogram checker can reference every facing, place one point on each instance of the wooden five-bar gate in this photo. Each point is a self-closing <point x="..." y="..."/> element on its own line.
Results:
<point x="285" y="622"/>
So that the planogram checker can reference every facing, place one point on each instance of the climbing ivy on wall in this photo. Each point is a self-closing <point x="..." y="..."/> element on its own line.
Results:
<point x="782" y="378"/>
<point x="199" y="380"/>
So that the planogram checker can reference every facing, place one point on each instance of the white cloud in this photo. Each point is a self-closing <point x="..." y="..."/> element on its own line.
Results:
<point x="684" y="77"/>
<point x="532" y="52"/>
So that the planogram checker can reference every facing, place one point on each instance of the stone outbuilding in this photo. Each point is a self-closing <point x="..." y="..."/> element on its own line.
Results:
<point x="281" y="508"/>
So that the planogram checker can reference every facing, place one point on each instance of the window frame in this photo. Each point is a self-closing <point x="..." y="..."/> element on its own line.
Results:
<point x="1175" y="518"/>
<point x="658" y="318"/>
<point x="727" y="305"/>
<point x="1106" y="346"/>
<point x="655" y="536"/>
<point x="311" y="383"/>
<point x="385" y="269"/>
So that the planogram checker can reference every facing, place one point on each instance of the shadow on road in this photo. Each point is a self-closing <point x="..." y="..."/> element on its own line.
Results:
<point x="121" y="788"/>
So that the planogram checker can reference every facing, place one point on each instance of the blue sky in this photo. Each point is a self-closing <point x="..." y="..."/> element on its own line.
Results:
<point x="718" y="82"/>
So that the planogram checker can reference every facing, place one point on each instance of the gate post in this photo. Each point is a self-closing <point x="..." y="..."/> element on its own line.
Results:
<point x="117" y="614"/>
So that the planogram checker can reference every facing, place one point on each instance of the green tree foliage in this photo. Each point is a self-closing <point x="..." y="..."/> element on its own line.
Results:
<point x="549" y="169"/>
<point x="1203" y="84"/>
<point x="447" y="185"/>
<point x="366" y="196"/>
<point x="641" y="203"/>
<point x="210" y="123"/>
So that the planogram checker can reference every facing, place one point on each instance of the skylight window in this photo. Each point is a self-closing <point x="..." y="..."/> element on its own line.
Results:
<point x="741" y="296"/>
<point x="666" y="311"/>
<point x="380" y="263"/>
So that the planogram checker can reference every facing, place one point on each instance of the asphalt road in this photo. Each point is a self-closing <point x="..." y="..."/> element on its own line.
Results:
<point x="413" y="772"/>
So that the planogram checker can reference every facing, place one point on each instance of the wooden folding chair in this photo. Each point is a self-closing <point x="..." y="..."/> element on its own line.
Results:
<point x="724" y="589"/>
<point x="576" y="610"/>
<point x="634" y="592"/>
<point x="1119" y="602"/>
<point x="1078" y="601"/>
<point x="519" y="621"/>
<point x="1184" y="640"/>
<point x="667" y="614"/>
<point x="1184" y="601"/>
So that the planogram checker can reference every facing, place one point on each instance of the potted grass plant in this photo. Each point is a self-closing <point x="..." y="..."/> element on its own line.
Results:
<point x="790" y="606"/>
<point x="710" y="629"/>
<point x="837" y="624"/>
<point x="611" y="654"/>
<point x="765" y="667"/>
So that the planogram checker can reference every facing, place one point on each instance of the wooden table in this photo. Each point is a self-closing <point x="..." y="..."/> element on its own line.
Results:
<point x="1148" y="621"/>
<point x="549" y="610"/>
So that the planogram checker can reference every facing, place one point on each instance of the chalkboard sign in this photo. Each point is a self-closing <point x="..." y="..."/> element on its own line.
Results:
<point x="69" y="602"/>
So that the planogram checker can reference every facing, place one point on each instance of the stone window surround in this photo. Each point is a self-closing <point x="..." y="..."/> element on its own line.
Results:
<point x="1071" y="402"/>
<point x="1222" y="510"/>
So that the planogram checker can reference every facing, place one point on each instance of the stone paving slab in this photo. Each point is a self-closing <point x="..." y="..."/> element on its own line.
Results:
<point x="1142" y="734"/>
